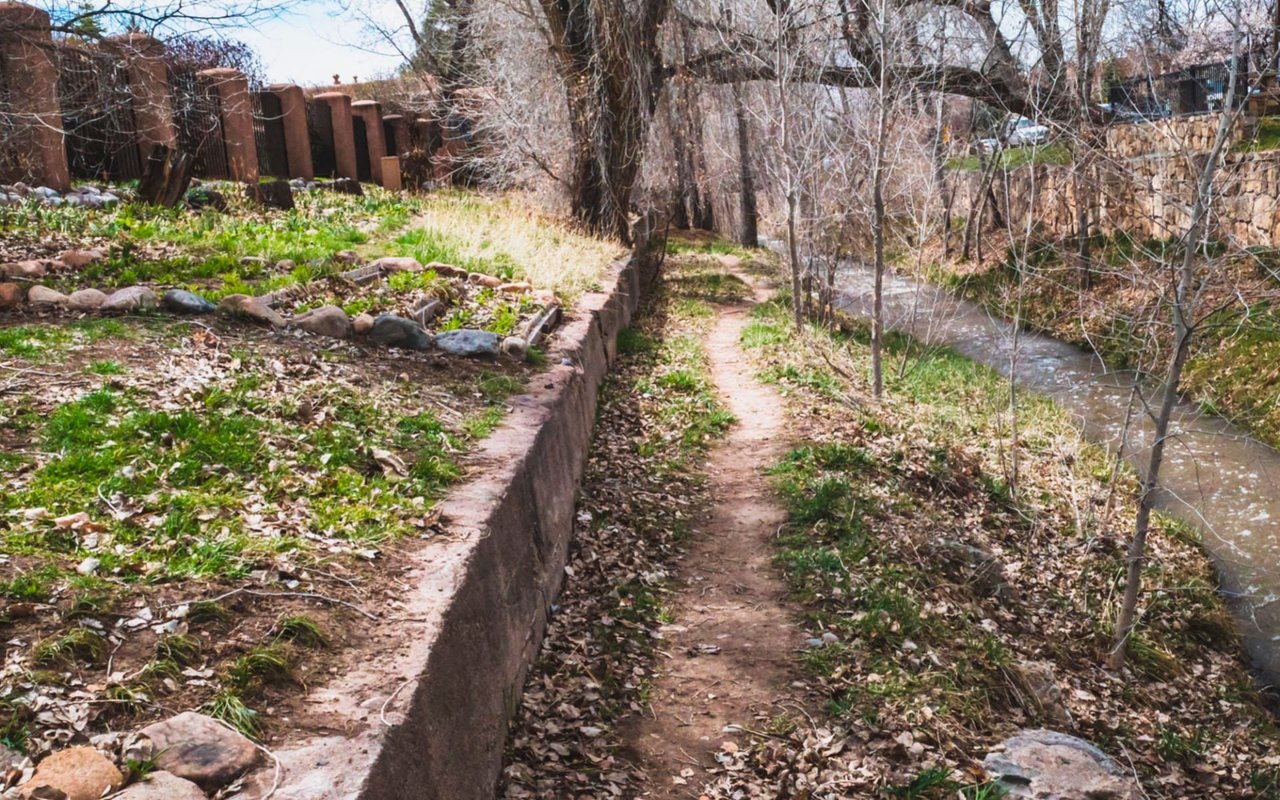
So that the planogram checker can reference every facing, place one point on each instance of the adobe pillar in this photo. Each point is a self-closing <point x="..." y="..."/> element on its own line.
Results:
<point x="399" y="127"/>
<point x="26" y="50"/>
<point x="297" y="138"/>
<point x="344" y="137"/>
<point x="149" y="88"/>
<point x="237" y="121"/>
<point x="371" y="112"/>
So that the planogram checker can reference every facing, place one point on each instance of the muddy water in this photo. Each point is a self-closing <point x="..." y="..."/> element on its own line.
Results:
<point x="1214" y="474"/>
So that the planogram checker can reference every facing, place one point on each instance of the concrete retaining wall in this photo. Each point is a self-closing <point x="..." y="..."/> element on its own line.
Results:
<point x="427" y="703"/>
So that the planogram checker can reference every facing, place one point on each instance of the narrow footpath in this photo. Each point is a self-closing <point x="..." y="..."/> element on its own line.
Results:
<point x="728" y="656"/>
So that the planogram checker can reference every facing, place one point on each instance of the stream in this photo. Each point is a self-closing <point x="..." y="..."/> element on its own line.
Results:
<point x="1214" y="474"/>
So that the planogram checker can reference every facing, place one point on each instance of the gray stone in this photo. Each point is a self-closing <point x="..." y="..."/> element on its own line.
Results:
<point x="242" y="306"/>
<point x="80" y="773"/>
<point x="86" y="299"/>
<point x="363" y="323"/>
<point x="180" y="301"/>
<point x="163" y="786"/>
<point x="390" y="330"/>
<point x="44" y="296"/>
<point x="107" y="200"/>
<point x="469" y="342"/>
<point x="328" y="321"/>
<point x="134" y="298"/>
<point x="515" y="346"/>
<point x="391" y="264"/>
<point x="488" y="281"/>
<point x="1047" y="765"/>
<point x="201" y="750"/>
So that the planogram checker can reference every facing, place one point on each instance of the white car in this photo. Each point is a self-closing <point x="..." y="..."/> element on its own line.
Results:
<point x="1023" y="131"/>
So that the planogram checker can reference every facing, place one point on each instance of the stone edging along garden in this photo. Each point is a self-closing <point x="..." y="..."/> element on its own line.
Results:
<point x="426" y="708"/>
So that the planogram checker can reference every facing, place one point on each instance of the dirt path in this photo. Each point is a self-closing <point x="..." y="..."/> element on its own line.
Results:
<point x="728" y="595"/>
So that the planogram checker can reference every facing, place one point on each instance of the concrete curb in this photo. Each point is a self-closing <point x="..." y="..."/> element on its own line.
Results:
<point x="428" y="720"/>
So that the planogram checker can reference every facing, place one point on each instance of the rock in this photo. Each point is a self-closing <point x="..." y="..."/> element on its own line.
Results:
<point x="163" y="786"/>
<point x="30" y="270"/>
<point x="81" y="773"/>
<point x="81" y="258"/>
<point x="134" y="298"/>
<point x="44" y="296"/>
<point x="515" y="346"/>
<point x="1047" y="765"/>
<point x="346" y="257"/>
<point x="363" y="323"/>
<point x="972" y="565"/>
<point x="253" y="261"/>
<point x="390" y="330"/>
<point x="1039" y="693"/>
<point x="345" y="186"/>
<point x="180" y="301"/>
<point x="469" y="342"/>
<point x="286" y="265"/>
<point x="201" y="750"/>
<point x="488" y="281"/>
<point x="328" y="321"/>
<point x="11" y="294"/>
<point x="392" y="264"/>
<point x="86" y="299"/>
<point x="426" y="312"/>
<point x="517" y="287"/>
<point x="202" y="197"/>
<point x="89" y="566"/>
<point x="272" y="194"/>
<point x="242" y="306"/>
<point x="447" y="270"/>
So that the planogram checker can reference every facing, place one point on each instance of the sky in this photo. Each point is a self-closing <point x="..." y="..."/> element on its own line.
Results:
<point x="314" y="40"/>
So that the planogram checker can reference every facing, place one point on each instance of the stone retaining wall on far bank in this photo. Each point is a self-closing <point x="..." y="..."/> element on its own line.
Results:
<point x="1143" y="184"/>
<point x="424" y="702"/>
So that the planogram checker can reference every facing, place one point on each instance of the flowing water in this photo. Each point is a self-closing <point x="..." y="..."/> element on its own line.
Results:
<point x="1214" y="474"/>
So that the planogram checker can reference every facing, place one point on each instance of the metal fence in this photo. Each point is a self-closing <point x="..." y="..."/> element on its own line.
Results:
<point x="268" y="135"/>
<point x="1195" y="90"/>
<point x="198" y="117"/>
<point x="97" y="115"/>
<point x="324" y="159"/>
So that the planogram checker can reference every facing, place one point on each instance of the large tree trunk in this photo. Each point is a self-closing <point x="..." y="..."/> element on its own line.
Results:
<point x="749" y="227"/>
<point x="607" y="60"/>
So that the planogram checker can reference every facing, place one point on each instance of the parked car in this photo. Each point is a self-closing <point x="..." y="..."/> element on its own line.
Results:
<point x="1023" y="131"/>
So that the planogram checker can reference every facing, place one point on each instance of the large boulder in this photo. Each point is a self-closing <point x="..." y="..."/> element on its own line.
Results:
<point x="80" y="773"/>
<point x="46" y="297"/>
<point x="328" y="321"/>
<point x="180" y="301"/>
<point x="134" y="298"/>
<point x="390" y="330"/>
<point x="86" y="300"/>
<point x="1047" y="765"/>
<point x="469" y="342"/>
<point x="242" y="306"/>
<point x="200" y="749"/>
<point x="163" y="786"/>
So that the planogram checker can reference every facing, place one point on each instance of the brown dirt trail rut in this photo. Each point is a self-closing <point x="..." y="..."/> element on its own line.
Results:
<point x="729" y="655"/>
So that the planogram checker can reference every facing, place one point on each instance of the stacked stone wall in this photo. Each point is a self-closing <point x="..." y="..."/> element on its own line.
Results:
<point x="1143" y="183"/>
